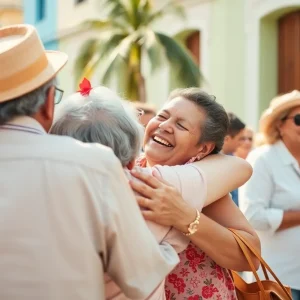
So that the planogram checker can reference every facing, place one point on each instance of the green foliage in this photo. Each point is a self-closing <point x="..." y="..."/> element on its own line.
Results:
<point x="124" y="37"/>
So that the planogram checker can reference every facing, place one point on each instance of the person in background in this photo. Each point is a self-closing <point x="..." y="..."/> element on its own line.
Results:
<point x="147" y="112"/>
<point x="67" y="213"/>
<point x="259" y="140"/>
<point x="232" y="142"/>
<point x="246" y="145"/>
<point x="189" y="127"/>
<point x="271" y="198"/>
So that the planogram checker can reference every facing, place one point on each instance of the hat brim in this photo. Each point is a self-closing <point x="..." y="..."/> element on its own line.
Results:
<point x="56" y="61"/>
<point x="269" y="117"/>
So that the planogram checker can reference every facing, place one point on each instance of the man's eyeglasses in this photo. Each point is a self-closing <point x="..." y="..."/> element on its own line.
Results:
<point x="296" y="119"/>
<point x="58" y="95"/>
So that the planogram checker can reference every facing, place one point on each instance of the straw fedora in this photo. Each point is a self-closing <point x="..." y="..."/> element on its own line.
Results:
<point x="24" y="63"/>
<point x="278" y="107"/>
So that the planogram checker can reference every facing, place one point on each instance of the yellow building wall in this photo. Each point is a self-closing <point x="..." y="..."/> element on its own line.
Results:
<point x="10" y="16"/>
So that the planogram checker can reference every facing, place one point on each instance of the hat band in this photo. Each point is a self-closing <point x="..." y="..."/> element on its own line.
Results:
<point x="27" y="74"/>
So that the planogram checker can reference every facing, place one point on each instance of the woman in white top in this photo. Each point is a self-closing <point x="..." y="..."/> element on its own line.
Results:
<point x="271" y="198"/>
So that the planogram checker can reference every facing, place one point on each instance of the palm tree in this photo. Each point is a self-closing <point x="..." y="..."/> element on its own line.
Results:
<point x="124" y="37"/>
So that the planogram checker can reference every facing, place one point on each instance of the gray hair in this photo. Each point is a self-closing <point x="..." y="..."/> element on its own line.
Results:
<point x="26" y="105"/>
<point x="101" y="117"/>
<point x="215" y="127"/>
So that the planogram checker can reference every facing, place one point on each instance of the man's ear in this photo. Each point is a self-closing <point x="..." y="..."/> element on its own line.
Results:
<point x="205" y="149"/>
<point x="47" y="110"/>
<point x="45" y="113"/>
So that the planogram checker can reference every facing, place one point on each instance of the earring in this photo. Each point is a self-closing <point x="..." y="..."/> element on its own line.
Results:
<point x="195" y="158"/>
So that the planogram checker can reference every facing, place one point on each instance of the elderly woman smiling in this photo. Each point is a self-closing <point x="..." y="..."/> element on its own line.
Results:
<point x="102" y="117"/>
<point x="189" y="127"/>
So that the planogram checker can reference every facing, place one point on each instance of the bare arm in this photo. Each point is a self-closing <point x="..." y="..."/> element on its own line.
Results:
<point x="218" y="185"/>
<point x="165" y="206"/>
<point x="290" y="219"/>
<point x="217" y="241"/>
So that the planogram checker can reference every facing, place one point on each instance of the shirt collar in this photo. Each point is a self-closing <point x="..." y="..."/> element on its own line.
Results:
<point x="27" y="122"/>
<point x="285" y="155"/>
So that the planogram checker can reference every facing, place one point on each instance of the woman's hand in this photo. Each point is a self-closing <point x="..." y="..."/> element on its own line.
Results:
<point x="163" y="203"/>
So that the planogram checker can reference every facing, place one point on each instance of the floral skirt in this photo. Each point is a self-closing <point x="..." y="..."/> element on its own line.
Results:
<point x="197" y="277"/>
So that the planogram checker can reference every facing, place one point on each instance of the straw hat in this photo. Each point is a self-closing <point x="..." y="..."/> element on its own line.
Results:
<point x="278" y="107"/>
<point x="24" y="63"/>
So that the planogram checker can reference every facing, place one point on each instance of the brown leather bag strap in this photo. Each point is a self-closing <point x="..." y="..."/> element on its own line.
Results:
<point x="262" y="261"/>
<point x="253" y="250"/>
<point x="245" y="251"/>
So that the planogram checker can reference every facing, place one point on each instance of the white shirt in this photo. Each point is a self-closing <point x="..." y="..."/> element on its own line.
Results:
<point x="274" y="188"/>
<point x="67" y="216"/>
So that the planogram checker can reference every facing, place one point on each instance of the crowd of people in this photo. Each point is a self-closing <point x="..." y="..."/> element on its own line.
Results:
<point x="105" y="199"/>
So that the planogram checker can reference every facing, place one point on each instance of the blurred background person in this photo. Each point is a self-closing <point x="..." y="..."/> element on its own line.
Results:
<point x="246" y="144"/>
<point x="235" y="134"/>
<point x="232" y="142"/>
<point x="271" y="198"/>
<point x="147" y="112"/>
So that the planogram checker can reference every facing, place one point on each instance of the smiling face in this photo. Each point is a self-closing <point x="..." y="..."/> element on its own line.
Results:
<point x="172" y="137"/>
<point x="289" y="131"/>
<point x="247" y="142"/>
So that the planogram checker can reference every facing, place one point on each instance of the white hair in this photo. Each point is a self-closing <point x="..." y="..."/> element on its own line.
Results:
<point x="25" y="105"/>
<point x="100" y="117"/>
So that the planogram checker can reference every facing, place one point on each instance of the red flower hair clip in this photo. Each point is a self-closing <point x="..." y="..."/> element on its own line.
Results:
<point x="85" y="87"/>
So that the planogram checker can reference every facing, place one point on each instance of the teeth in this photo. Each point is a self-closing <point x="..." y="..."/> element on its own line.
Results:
<point x="164" y="142"/>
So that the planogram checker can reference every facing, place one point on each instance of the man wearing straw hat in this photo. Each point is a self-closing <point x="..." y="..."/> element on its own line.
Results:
<point x="67" y="214"/>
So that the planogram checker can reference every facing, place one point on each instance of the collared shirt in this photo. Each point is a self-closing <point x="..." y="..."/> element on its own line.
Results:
<point x="67" y="216"/>
<point x="190" y="181"/>
<point x="274" y="188"/>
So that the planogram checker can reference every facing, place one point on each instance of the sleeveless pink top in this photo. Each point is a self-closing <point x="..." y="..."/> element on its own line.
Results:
<point x="197" y="276"/>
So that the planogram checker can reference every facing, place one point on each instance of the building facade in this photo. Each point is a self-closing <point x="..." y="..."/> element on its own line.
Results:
<point x="43" y="15"/>
<point x="248" y="50"/>
<point x="11" y="12"/>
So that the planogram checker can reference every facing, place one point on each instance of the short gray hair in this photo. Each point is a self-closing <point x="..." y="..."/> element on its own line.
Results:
<point x="216" y="124"/>
<point x="26" y="105"/>
<point x="100" y="117"/>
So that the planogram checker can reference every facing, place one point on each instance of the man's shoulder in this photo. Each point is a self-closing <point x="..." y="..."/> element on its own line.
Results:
<point x="262" y="151"/>
<point x="60" y="150"/>
<point x="263" y="154"/>
<point x="73" y="151"/>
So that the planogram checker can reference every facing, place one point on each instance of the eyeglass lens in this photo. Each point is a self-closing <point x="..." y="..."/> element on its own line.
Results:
<point x="297" y="119"/>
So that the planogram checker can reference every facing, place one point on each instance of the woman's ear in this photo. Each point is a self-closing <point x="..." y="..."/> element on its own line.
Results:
<point x="205" y="149"/>
<point x="278" y="126"/>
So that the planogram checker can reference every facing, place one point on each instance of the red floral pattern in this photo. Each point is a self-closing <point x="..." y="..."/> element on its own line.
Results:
<point x="198" y="277"/>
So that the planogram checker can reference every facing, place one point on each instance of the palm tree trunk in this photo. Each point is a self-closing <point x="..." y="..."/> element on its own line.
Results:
<point x="141" y="88"/>
<point x="139" y="76"/>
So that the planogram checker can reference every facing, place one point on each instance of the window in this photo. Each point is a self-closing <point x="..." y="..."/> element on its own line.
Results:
<point x="289" y="53"/>
<point x="193" y="44"/>
<point x="40" y="10"/>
